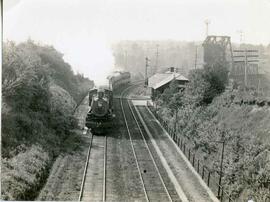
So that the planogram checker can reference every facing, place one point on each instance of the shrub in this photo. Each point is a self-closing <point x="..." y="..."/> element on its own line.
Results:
<point x="29" y="69"/>
<point x="33" y="130"/>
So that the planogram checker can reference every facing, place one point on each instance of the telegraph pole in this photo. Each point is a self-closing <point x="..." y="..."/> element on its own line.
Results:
<point x="241" y="36"/>
<point x="246" y="62"/>
<point x="207" y="22"/>
<point x="146" y="67"/>
<point x="196" y="57"/>
<point x="126" y="59"/>
<point x="156" y="65"/>
<point x="175" y="123"/>
<point x="246" y="57"/>
<point x="221" y="165"/>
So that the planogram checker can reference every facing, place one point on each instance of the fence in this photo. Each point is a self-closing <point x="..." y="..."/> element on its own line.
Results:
<point x="210" y="177"/>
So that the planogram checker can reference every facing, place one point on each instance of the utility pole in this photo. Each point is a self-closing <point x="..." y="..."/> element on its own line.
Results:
<point x="126" y="59"/>
<point x="207" y="22"/>
<point x="146" y="67"/>
<point x="246" y="63"/>
<point x="175" y="123"/>
<point x="241" y="35"/>
<point x="196" y="57"/>
<point x="156" y="65"/>
<point x="246" y="56"/>
<point x="221" y="165"/>
<point x="258" y="79"/>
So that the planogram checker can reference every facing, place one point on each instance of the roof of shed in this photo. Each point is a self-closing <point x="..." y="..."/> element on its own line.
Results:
<point x="160" y="79"/>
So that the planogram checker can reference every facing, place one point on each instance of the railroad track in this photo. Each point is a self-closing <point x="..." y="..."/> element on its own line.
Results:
<point x="152" y="180"/>
<point x="157" y="179"/>
<point x="93" y="186"/>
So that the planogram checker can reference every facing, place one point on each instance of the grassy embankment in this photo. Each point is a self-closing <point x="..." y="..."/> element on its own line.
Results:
<point x="40" y="93"/>
<point x="206" y="113"/>
<point x="245" y="129"/>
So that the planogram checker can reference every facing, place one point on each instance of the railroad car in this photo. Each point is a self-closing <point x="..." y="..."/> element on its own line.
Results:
<point x="118" y="78"/>
<point x="100" y="115"/>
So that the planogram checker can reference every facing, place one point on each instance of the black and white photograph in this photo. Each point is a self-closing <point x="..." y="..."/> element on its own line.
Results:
<point x="135" y="100"/>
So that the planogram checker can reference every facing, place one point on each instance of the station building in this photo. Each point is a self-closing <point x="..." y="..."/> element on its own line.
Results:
<point x="160" y="81"/>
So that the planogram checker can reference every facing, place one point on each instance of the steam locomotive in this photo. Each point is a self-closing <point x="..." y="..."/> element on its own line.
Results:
<point x="100" y="116"/>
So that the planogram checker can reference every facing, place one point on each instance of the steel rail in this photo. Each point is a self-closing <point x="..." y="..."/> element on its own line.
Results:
<point x="151" y="155"/>
<point x="85" y="169"/>
<point x="133" y="150"/>
<point x="104" y="172"/>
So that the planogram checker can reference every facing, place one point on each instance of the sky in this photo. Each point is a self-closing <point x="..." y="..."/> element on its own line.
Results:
<point x="83" y="30"/>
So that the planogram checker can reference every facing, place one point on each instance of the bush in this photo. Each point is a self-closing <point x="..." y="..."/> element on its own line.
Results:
<point x="206" y="113"/>
<point x="243" y="127"/>
<point x="217" y="77"/>
<point x="23" y="177"/>
<point x="29" y="70"/>
<point x="33" y="129"/>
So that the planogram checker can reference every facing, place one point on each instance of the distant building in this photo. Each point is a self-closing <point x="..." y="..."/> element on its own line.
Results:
<point x="160" y="81"/>
<point x="216" y="49"/>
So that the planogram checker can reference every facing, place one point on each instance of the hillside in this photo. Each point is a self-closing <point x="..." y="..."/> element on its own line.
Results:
<point x="208" y="113"/>
<point x="245" y="129"/>
<point x="247" y="151"/>
<point x="40" y="92"/>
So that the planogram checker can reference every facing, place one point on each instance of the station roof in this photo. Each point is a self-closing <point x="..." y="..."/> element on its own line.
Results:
<point x="160" y="79"/>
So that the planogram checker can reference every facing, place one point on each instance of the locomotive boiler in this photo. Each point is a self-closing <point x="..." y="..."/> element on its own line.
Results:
<point x="100" y="115"/>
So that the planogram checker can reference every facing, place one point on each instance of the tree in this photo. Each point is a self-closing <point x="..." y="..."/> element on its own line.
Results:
<point x="217" y="77"/>
<point x="169" y="92"/>
<point x="196" y="88"/>
<point x="18" y="68"/>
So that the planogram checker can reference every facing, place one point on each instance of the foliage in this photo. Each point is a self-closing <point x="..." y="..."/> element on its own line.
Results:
<point x="245" y="129"/>
<point x="34" y="127"/>
<point x="29" y="70"/>
<point x="169" y="92"/>
<point x="217" y="77"/>
<point x="196" y="88"/>
<point x="206" y="113"/>
<point x="19" y="68"/>
<point x="27" y="175"/>
<point x="204" y="85"/>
